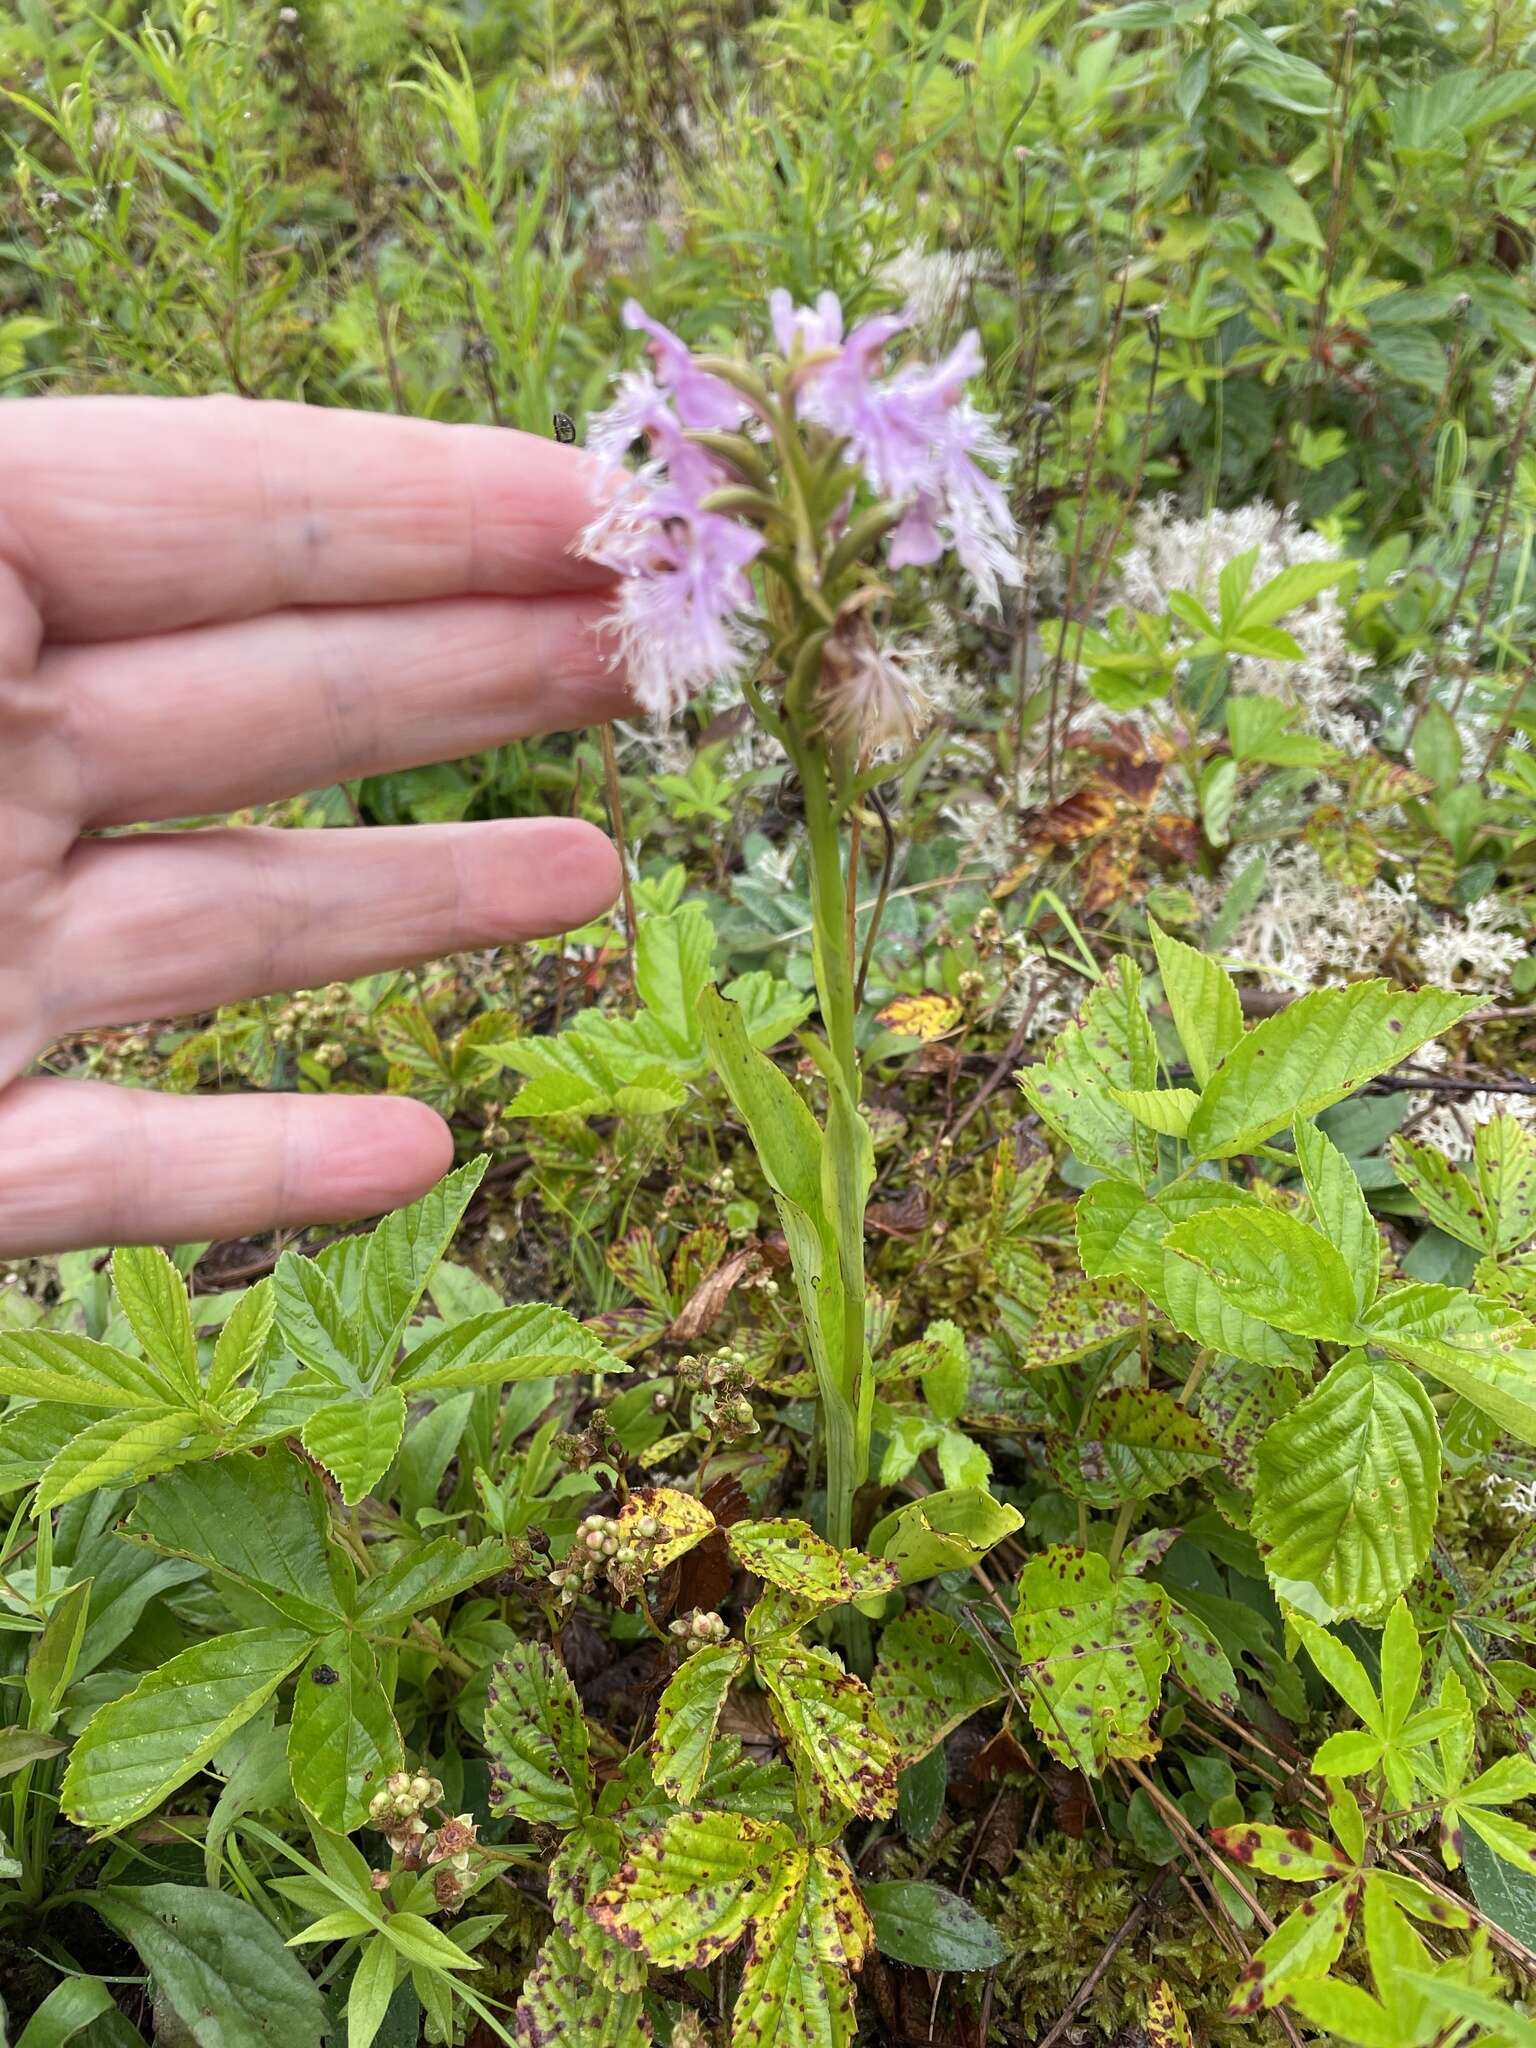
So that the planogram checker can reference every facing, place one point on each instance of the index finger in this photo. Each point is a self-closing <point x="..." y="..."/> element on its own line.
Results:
<point x="136" y="515"/>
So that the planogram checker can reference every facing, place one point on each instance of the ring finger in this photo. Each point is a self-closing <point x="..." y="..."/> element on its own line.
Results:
<point x="160" y="925"/>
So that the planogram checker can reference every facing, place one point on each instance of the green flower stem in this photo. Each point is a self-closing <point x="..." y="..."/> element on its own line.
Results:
<point x="848" y="1432"/>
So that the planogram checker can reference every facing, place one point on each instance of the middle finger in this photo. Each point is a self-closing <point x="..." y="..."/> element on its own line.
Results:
<point x="165" y="924"/>
<point x="213" y="718"/>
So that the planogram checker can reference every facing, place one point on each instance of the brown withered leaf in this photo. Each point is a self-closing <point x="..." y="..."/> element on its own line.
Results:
<point x="1108" y="873"/>
<point x="1070" y="1804"/>
<point x="938" y="1058"/>
<point x="1000" y="1756"/>
<point x="749" y="1718"/>
<point x="997" y="1841"/>
<point x="1134" y="762"/>
<point x="704" y="1577"/>
<point x="1175" y="838"/>
<point x="905" y="1217"/>
<point x="702" y="1310"/>
<point x="903" y="2002"/>
<point x="1083" y="815"/>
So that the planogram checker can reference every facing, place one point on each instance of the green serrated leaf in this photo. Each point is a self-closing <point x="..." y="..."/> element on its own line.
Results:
<point x="943" y="1532"/>
<point x="932" y="1674"/>
<point x="1340" y="1207"/>
<point x="1134" y="1442"/>
<point x="136" y="1750"/>
<point x="1313" y="1053"/>
<point x="153" y="1296"/>
<point x="1094" y="1652"/>
<point x="122" y="1450"/>
<point x="402" y="1253"/>
<point x="1109" y="1046"/>
<point x="56" y="1365"/>
<point x="833" y="1727"/>
<point x="690" y="1891"/>
<point x="1485" y="1351"/>
<point x="424" y="1576"/>
<point x="255" y="1519"/>
<point x="687" y="1716"/>
<point x="1266" y="1263"/>
<point x="314" y="1324"/>
<point x="1204" y="1002"/>
<point x="527" y="1342"/>
<point x="791" y="1555"/>
<point x="343" y="1742"/>
<point x="242" y="1339"/>
<point x="1347" y="1487"/>
<point x="356" y="1440"/>
<point x="1446" y="1196"/>
<point x="536" y="1737"/>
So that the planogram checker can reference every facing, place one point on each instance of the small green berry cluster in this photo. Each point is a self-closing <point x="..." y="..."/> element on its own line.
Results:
<point x="396" y="1813"/>
<point x="720" y="1384"/>
<point x="606" y="1547"/>
<point x="699" y="1631"/>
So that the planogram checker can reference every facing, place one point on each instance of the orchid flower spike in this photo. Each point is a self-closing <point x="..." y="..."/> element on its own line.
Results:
<point x="815" y="461"/>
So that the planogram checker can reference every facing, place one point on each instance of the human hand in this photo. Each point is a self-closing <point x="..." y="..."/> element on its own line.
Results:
<point x="209" y="603"/>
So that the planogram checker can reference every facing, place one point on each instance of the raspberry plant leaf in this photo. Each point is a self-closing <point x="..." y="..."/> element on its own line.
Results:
<point x="1346" y="1490"/>
<point x="356" y="1440"/>
<point x="537" y="1740"/>
<point x="790" y="1555"/>
<point x="401" y="1253"/>
<point x="795" y="1987"/>
<point x="1203" y="999"/>
<point x="57" y="1365"/>
<point x="343" y="1741"/>
<point x="1121" y="1231"/>
<point x="257" y="1521"/>
<point x="1448" y="1198"/>
<point x="687" y="1893"/>
<point x="528" y="1342"/>
<point x="1482" y="1349"/>
<point x="838" y="1743"/>
<point x="136" y="1750"/>
<point x="153" y="1296"/>
<point x="1110" y="1046"/>
<point x="222" y="1976"/>
<point x="688" y="1714"/>
<point x="943" y="1532"/>
<point x="1269" y="1264"/>
<point x="932" y="1675"/>
<point x="1133" y="1442"/>
<point x="1339" y="1205"/>
<point x="1094" y="1652"/>
<point x="1313" y="1053"/>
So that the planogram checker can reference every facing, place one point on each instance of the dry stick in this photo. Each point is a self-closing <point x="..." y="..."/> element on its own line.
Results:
<point x="1511" y="712"/>
<point x="1197" y="1842"/>
<point x="616" y="820"/>
<point x="1019" y="660"/>
<point x="1010" y="1053"/>
<point x="1106" y="554"/>
<point x="1181" y="1826"/>
<point x="882" y="895"/>
<point x="1511" y="477"/>
<point x="1423" y="695"/>
<point x="1069" y="602"/>
<point x="1130" y="1925"/>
